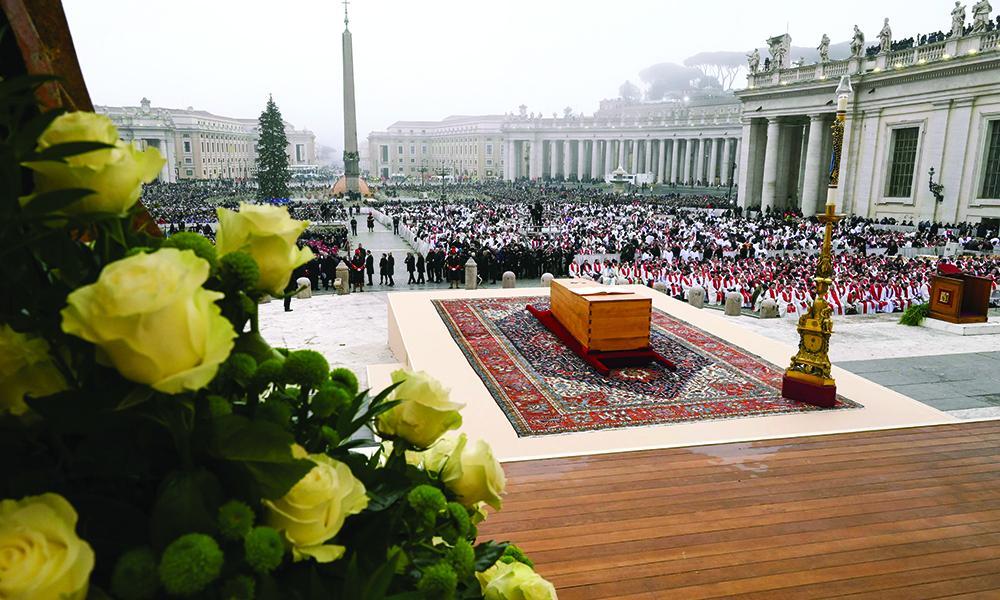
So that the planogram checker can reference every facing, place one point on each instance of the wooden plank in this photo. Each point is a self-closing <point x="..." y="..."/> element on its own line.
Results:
<point x="910" y="513"/>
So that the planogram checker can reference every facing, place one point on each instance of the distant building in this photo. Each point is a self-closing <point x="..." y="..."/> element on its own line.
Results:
<point x="200" y="145"/>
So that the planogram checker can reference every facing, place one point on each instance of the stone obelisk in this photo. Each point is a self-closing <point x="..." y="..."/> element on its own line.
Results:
<point x="351" y="170"/>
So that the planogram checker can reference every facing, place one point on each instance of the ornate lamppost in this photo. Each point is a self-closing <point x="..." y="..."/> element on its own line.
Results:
<point x="808" y="378"/>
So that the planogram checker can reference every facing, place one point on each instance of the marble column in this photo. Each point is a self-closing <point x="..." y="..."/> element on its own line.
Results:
<point x="621" y="154"/>
<point x="727" y="162"/>
<point x="594" y="159"/>
<point x="814" y="155"/>
<point x="661" y="171"/>
<point x="553" y="159"/>
<point x="567" y="156"/>
<point x="536" y="160"/>
<point x="649" y="157"/>
<point x="675" y="160"/>
<point x="771" y="150"/>
<point x="713" y="160"/>
<point x="609" y="158"/>
<point x="700" y="161"/>
<point x="581" y="157"/>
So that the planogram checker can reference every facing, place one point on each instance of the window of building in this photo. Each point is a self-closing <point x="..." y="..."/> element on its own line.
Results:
<point x="489" y="162"/>
<point x="904" y="156"/>
<point x="187" y="161"/>
<point x="489" y="149"/>
<point x="991" y="172"/>
<point x="187" y="146"/>
<point x="188" y="172"/>
<point x="413" y="160"/>
<point x="399" y="149"/>
<point x="385" y="153"/>
<point x="413" y="149"/>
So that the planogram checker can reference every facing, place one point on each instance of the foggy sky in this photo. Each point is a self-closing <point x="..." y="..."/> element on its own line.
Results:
<point x="431" y="59"/>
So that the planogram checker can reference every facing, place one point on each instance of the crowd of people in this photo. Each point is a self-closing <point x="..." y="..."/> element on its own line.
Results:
<point x="686" y="241"/>
<point x="673" y="239"/>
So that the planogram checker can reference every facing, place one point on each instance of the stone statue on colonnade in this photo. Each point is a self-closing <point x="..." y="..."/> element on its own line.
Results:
<point x="857" y="43"/>
<point x="958" y="19"/>
<point x="885" y="37"/>
<point x="824" y="49"/>
<point x="981" y="15"/>
<point x="753" y="61"/>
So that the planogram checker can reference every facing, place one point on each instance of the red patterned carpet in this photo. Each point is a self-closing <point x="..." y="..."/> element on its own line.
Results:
<point x="544" y="388"/>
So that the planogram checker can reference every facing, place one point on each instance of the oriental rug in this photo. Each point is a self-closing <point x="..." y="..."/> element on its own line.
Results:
<point x="544" y="388"/>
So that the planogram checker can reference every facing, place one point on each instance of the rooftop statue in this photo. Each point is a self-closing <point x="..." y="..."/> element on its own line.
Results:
<point x="753" y="61"/>
<point x="957" y="19"/>
<point x="824" y="49"/>
<point x="981" y="15"/>
<point x="857" y="43"/>
<point x="885" y="37"/>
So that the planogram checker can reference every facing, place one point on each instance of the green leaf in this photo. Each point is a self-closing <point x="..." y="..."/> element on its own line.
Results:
<point x="188" y="501"/>
<point x="49" y="202"/>
<point x="487" y="554"/>
<point x="27" y="136"/>
<point x="138" y="395"/>
<point x="263" y="448"/>
<point x="60" y="151"/>
<point x="378" y="583"/>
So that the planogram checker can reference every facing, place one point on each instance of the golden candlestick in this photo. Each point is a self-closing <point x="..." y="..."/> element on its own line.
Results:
<point x="808" y="378"/>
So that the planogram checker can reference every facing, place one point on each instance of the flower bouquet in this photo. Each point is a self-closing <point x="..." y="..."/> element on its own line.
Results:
<point x="156" y="446"/>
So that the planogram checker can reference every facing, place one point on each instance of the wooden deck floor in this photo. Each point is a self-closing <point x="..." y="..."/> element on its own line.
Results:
<point x="908" y="513"/>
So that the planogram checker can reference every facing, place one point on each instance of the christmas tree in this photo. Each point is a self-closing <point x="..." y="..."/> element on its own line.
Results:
<point x="272" y="161"/>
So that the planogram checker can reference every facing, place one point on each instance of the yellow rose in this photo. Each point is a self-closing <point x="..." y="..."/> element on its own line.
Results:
<point x="26" y="368"/>
<point x="41" y="557"/>
<point x="314" y="510"/>
<point x="268" y="234"/>
<point x="474" y="474"/>
<point x="514" y="581"/>
<point x="152" y="320"/>
<point x="115" y="174"/>
<point x="424" y="412"/>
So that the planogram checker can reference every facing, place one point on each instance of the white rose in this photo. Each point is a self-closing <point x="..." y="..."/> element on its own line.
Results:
<point x="424" y="412"/>
<point x="474" y="474"/>
<point x="314" y="510"/>
<point x="114" y="174"/>
<point x="41" y="557"/>
<point x="514" y="581"/>
<point x="268" y="234"/>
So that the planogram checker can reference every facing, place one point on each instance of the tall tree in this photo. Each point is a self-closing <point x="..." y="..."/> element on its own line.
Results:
<point x="272" y="157"/>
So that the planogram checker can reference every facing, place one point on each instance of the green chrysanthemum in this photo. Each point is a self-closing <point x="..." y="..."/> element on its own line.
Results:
<point x="268" y="372"/>
<point x="239" y="270"/>
<point x="135" y="576"/>
<point x="347" y="379"/>
<point x="460" y="517"/>
<point x="329" y="399"/>
<point x="197" y="243"/>
<point x="427" y="501"/>
<point x="189" y="564"/>
<point x="514" y="554"/>
<point x="264" y="549"/>
<point x="438" y="582"/>
<point x="235" y="520"/>
<point x="307" y="368"/>
<point x="240" y="367"/>
<point x="462" y="558"/>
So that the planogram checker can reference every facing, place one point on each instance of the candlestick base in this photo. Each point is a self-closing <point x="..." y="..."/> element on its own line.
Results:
<point x="816" y="391"/>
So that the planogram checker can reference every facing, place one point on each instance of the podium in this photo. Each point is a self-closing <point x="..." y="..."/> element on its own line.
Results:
<point x="960" y="298"/>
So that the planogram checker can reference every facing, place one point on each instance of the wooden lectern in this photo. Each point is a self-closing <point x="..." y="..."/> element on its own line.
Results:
<point x="960" y="298"/>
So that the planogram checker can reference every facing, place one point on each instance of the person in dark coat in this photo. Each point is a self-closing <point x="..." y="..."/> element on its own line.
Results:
<point x="454" y="268"/>
<point x="357" y="275"/>
<point x="370" y="266"/>
<point x="354" y="226"/>
<point x="390" y="269"/>
<point x="411" y="266"/>
<point x="420" y="268"/>
<point x="383" y="264"/>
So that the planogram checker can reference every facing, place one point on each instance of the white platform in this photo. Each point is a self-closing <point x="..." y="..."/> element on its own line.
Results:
<point x="991" y="327"/>
<point x="420" y="340"/>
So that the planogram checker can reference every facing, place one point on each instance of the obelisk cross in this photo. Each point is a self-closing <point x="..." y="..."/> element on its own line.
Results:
<point x="345" y="3"/>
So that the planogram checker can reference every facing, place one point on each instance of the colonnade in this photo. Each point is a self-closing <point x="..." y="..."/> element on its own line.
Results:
<point x="702" y="160"/>
<point x="787" y="162"/>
